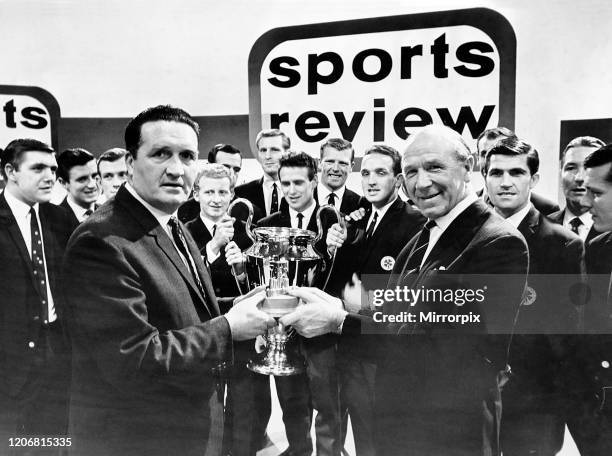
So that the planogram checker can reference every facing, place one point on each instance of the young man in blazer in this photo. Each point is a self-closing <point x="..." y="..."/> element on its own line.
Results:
<point x="534" y="400"/>
<point x="265" y="193"/>
<point x="34" y="352"/>
<point x="149" y="342"/>
<point x="575" y="215"/>
<point x="78" y="174"/>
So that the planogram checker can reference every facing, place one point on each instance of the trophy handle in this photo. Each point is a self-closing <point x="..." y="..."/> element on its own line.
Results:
<point x="248" y="232"/>
<point x="342" y="224"/>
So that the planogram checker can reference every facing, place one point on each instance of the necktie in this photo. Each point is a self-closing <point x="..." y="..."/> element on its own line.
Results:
<point x="87" y="213"/>
<point x="416" y="257"/>
<point x="300" y="217"/>
<point x="181" y="243"/>
<point x="371" y="227"/>
<point x="331" y="199"/>
<point x="38" y="265"/>
<point x="274" y="200"/>
<point x="575" y="224"/>
<point x="214" y="230"/>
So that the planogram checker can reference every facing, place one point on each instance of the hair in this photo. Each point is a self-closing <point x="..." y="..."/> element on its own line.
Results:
<point x="513" y="146"/>
<point x="338" y="144"/>
<point x="294" y="159"/>
<point x="582" y="141"/>
<point x="215" y="171"/>
<point x="494" y="133"/>
<point x="157" y="113"/>
<point x="461" y="149"/>
<point x="227" y="148"/>
<point x="111" y="155"/>
<point x="13" y="152"/>
<point x="70" y="158"/>
<point x="389" y="152"/>
<point x="271" y="133"/>
<point x="600" y="157"/>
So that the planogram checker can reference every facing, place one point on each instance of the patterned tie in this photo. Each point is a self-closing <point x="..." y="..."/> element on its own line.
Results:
<point x="274" y="202"/>
<point x="300" y="217"/>
<point x="575" y="223"/>
<point x="181" y="243"/>
<point x="416" y="257"/>
<point x="371" y="227"/>
<point x="38" y="265"/>
<point x="331" y="199"/>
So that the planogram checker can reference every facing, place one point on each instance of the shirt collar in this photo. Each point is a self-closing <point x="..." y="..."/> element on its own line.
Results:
<point x="160" y="216"/>
<point x="268" y="181"/>
<point x="383" y="210"/>
<point x="307" y="214"/>
<point x="79" y="211"/>
<point x="19" y="209"/>
<point x="445" y="221"/>
<point x="586" y="218"/>
<point x="208" y="223"/>
<point x="323" y="193"/>
<point x="516" y="218"/>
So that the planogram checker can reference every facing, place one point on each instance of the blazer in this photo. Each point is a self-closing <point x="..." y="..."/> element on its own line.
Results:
<point x="542" y="204"/>
<point x="22" y="352"/>
<point x="556" y="258"/>
<point x="558" y="216"/>
<point x="73" y="218"/>
<point x="253" y="191"/>
<point x="146" y="342"/>
<point x="221" y="273"/>
<point x="434" y="376"/>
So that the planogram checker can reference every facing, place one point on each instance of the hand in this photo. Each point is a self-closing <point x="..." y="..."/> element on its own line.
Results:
<point x="356" y="215"/>
<point x="246" y="319"/>
<point x="335" y="237"/>
<point x="234" y="257"/>
<point x="354" y="296"/>
<point x="223" y="233"/>
<point x="319" y="313"/>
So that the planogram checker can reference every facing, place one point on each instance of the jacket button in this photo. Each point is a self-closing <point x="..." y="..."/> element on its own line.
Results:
<point x="605" y="364"/>
<point x="36" y="318"/>
<point x="31" y="344"/>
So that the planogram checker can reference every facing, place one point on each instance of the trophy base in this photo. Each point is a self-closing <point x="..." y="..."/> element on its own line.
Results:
<point x="277" y="364"/>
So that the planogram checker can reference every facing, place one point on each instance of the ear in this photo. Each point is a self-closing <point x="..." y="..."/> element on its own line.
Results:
<point x="129" y="162"/>
<point x="399" y="180"/>
<point x="469" y="166"/>
<point x="9" y="170"/>
<point x="534" y="181"/>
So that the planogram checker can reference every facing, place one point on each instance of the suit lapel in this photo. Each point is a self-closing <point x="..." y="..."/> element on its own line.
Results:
<point x="152" y="228"/>
<point x="530" y="224"/>
<point x="369" y="245"/>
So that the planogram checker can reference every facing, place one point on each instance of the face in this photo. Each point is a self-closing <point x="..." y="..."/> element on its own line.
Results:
<point x="572" y="179"/>
<point x="214" y="196"/>
<point x="335" y="167"/>
<point x="435" y="178"/>
<point x="112" y="175"/>
<point x="599" y="197"/>
<point x="509" y="183"/>
<point x="32" y="181"/>
<point x="230" y="161"/>
<point x="377" y="180"/>
<point x="269" y="153"/>
<point x="165" y="165"/>
<point x="297" y="188"/>
<point x="82" y="184"/>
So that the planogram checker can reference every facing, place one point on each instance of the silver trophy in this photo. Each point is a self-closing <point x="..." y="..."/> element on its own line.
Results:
<point x="281" y="258"/>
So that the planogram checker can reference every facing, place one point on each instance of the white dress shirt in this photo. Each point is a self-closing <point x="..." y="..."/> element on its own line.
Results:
<point x="21" y="212"/>
<point x="210" y="226"/>
<point x="323" y="195"/>
<point x="79" y="211"/>
<point x="267" y="191"/>
<point x="516" y="218"/>
<point x="307" y="214"/>
<point x="381" y="213"/>
<point x="586" y="219"/>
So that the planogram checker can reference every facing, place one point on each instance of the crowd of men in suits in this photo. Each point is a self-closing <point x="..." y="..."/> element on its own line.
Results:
<point x="127" y="321"/>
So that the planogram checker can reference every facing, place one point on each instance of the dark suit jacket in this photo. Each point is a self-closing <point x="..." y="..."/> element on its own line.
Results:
<point x="558" y="216"/>
<point x="253" y="191"/>
<point x="221" y="273"/>
<point x="555" y="266"/>
<point x="21" y="307"/>
<point x="73" y="218"/>
<point x="433" y="377"/>
<point x="543" y="205"/>
<point x="146" y="342"/>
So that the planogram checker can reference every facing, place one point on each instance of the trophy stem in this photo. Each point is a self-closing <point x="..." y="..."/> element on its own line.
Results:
<point x="276" y="360"/>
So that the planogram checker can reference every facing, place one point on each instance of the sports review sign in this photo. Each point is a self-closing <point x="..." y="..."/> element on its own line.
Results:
<point x="375" y="80"/>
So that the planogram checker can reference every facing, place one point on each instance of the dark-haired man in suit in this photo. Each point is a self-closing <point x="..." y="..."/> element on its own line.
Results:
<point x="78" y="174"/>
<point x="375" y="241"/>
<point x="265" y="193"/>
<point x="575" y="215"/>
<point x="534" y="401"/>
<point x="434" y="377"/>
<point x="485" y="141"/>
<point x="34" y="353"/>
<point x="148" y="339"/>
